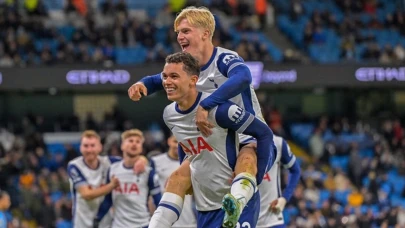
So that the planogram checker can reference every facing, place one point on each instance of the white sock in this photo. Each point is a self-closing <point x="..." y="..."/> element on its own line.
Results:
<point x="168" y="211"/>
<point x="243" y="187"/>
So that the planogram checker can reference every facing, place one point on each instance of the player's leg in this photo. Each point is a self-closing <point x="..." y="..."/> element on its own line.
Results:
<point x="250" y="214"/>
<point x="243" y="185"/>
<point x="171" y="204"/>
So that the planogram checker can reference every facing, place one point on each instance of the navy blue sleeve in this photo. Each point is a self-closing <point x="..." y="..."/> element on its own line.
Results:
<point x="289" y="161"/>
<point x="153" y="83"/>
<point x="153" y="184"/>
<point x="181" y="153"/>
<point x="106" y="204"/>
<point x="231" y="116"/>
<point x="78" y="179"/>
<point x="239" y="79"/>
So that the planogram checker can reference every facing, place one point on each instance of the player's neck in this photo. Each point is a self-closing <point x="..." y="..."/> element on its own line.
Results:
<point x="92" y="164"/>
<point x="130" y="161"/>
<point x="173" y="154"/>
<point x="188" y="100"/>
<point x="207" y="54"/>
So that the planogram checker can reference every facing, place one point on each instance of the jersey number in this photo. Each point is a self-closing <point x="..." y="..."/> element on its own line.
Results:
<point x="244" y="225"/>
<point x="201" y="145"/>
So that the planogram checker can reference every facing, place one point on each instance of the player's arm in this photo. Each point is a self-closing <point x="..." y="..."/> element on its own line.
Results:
<point x="81" y="185"/>
<point x="153" y="184"/>
<point x="104" y="206"/>
<point x="289" y="161"/>
<point x="239" y="78"/>
<point x="147" y="85"/>
<point x="231" y="116"/>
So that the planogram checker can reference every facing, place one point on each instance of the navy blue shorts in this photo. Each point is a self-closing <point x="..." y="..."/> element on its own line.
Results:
<point x="248" y="219"/>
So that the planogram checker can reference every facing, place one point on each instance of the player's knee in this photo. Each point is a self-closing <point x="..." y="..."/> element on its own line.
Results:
<point x="178" y="181"/>
<point x="247" y="155"/>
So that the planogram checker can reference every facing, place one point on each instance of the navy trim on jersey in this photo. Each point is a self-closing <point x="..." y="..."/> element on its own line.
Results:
<point x="76" y="178"/>
<point x="182" y="154"/>
<point x="231" y="152"/>
<point x="197" y="101"/>
<point x="170" y="207"/>
<point x="114" y="159"/>
<point x="98" y="165"/>
<point x="125" y="167"/>
<point x="214" y="53"/>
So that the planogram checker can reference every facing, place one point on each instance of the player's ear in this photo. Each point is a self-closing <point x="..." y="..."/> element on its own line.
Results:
<point x="206" y="34"/>
<point x="194" y="79"/>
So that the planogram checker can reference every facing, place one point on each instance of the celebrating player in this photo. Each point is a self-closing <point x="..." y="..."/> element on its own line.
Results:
<point x="225" y="77"/>
<point x="130" y="198"/>
<point x="212" y="160"/>
<point x="87" y="177"/>
<point x="272" y="202"/>
<point x="165" y="165"/>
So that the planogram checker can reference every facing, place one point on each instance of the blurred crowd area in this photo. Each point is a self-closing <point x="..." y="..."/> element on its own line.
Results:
<point x="47" y="32"/>
<point x="345" y="30"/>
<point x="352" y="170"/>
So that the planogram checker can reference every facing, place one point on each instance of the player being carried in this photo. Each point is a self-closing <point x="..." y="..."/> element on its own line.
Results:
<point x="211" y="160"/>
<point x="130" y="198"/>
<point x="87" y="177"/>
<point x="165" y="165"/>
<point x="272" y="199"/>
<point x="225" y="77"/>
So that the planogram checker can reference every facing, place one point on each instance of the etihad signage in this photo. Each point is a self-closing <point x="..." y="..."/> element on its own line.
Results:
<point x="94" y="77"/>
<point x="380" y="74"/>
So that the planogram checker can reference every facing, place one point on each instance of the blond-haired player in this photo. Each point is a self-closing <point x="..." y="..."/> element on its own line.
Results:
<point x="224" y="76"/>
<point x="130" y="198"/>
<point x="87" y="177"/>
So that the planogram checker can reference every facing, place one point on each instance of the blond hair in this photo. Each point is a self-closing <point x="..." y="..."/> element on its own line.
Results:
<point x="90" y="134"/>
<point x="133" y="132"/>
<point x="199" y="17"/>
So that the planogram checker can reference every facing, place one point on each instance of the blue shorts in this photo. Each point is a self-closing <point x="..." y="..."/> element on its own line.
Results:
<point x="214" y="219"/>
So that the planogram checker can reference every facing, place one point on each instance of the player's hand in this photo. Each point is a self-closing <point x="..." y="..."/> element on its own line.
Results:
<point x="201" y="119"/>
<point x="140" y="165"/>
<point x="277" y="206"/>
<point x="190" y="191"/>
<point x="114" y="182"/>
<point x="137" y="90"/>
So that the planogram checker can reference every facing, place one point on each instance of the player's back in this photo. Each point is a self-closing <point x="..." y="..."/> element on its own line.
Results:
<point x="164" y="166"/>
<point x="131" y="197"/>
<point x="215" y="73"/>
<point x="84" y="211"/>
<point x="212" y="158"/>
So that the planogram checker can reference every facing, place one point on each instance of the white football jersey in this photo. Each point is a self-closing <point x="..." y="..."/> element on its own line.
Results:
<point x="270" y="188"/>
<point x="164" y="166"/>
<point x="84" y="211"/>
<point x="213" y="158"/>
<point x="215" y="73"/>
<point x="130" y="199"/>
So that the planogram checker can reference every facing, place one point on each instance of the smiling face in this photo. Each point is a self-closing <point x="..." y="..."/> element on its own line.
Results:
<point x="195" y="28"/>
<point x="176" y="82"/>
<point x="90" y="147"/>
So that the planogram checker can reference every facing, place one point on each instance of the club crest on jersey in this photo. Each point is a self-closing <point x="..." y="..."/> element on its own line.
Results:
<point x="236" y="113"/>
<point x="228" y="58"/>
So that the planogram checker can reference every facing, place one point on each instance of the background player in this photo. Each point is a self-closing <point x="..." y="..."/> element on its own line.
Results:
<point x="131" y="196"/>
<point x="272" y="202"/>
<point x="212" y="159"/>
<point x="4" y="205"/>
<point x="87" y="177"/>
<point x="165" y="165"/>
<point x="225" y="76"/>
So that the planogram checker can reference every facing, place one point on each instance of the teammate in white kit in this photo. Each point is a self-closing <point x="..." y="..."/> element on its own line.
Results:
<point x="165" y="165"/>
<point x="130" y="198"/>
<point x="272" y="200"/>
<point x="211" y="159"/>
<point x="87" y="177"/>
<point x="225" y="77"/>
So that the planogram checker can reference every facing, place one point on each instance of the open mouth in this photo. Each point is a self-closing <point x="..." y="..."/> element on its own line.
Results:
<point x="170" y="90"/>
<point x="184" y="47"/>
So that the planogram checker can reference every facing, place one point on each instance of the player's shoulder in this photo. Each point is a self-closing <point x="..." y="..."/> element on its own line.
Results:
<point x="116" y="165"/>
<point x="76" y="161"/>
<point x="223" y="51"/>
<point x="159" y="158"/>
<point x="169" y="110"/>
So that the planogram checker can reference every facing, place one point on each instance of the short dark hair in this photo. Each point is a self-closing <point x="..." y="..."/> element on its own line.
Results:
<point x="190" y="64"/>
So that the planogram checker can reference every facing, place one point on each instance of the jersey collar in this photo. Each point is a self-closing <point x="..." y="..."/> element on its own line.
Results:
<point x="214" y="53"/>
<point x="197" y="101"/>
